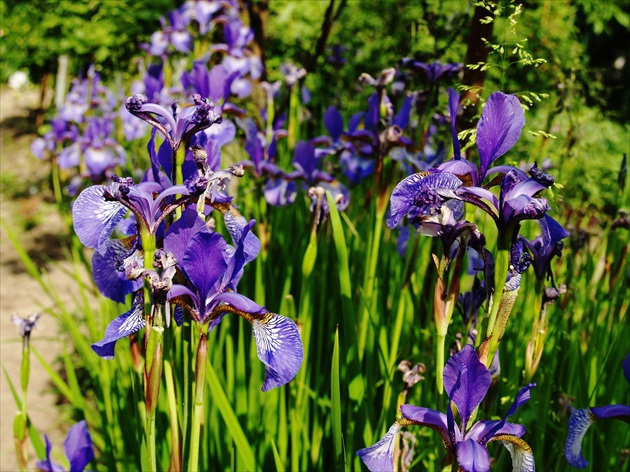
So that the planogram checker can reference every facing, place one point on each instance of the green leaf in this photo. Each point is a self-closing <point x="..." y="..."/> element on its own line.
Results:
<point x="335" y="397"/>
<point x="276" y="457"/>
<point x="231" y="421"/>
<point x="63" y="387"/>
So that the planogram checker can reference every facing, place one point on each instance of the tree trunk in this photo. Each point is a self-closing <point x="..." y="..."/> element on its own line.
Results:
<point x="477" y="52"/>
<point x="258" y="20"/>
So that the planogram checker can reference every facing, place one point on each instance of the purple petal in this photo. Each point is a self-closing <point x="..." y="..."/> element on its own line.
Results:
<point x="240" y="302"/>
<point x="280" y="192"/>
<point x="403" y="196"/>
<point x="626" y="368"/>
<point x="98" y="160"/>
<point x="466" y="381"/>
<point x="180" y="233"/>
<point x="461" y="167"/>
<point x="123" y="326"/>
<point x="279" y="347"/>
<point x="402" y="118"/>
<point x="111" y="282"/>
<point x="48" y="465"/>
<point x="428" y="417"/>
<point x="38" y="146"/>
<point x="78" y="446"/>
<point x="247" y="247"/>
<point x="481" y="429"/>
<point x="334" y="122"/>
<point x="579" y="423"/>
<point x="620" y="412"/>
<point x="94" y="218"/>
<point x="524" y="208"/>
<point x="473" y="457"/>
<point x="69" y="156"/>
<point x="182" y="41"/>
<point x="380" y="456"/>
<point x="499" y="128"/>
<point x="223" y="132"/>
<point x="203" y="261"/>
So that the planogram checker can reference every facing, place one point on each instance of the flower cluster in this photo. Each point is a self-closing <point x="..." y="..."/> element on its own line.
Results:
<point x="158" y="231"/>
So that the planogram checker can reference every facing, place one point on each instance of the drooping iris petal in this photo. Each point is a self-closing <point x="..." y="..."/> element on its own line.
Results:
<point x="579" y="423"/>
<point x="466" y="380"/>
<point x="428" y="417"/>
<point x="95" y="218"/>
<point x="48" y="465"/>
<point x="521" y="452"/>
<point x="472" y="457"/>
<point x="380" y="456"/>
<point x="111" y="282"/>
<point x="626" y="368"/>
<point x="279" y="347"/>
<point x="240" y="302"/>
<point x="125" y="325"/>
<point x="203" y="261"/>
<point x="499" y="128"/>
<point x="404" y="195"/>
<point x="78" y="446"/>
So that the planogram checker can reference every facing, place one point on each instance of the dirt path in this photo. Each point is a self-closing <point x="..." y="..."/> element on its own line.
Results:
<point x="23" y="209"/>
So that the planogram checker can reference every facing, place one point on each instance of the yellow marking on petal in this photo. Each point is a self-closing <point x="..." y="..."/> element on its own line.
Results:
<point x="521" y="444"/>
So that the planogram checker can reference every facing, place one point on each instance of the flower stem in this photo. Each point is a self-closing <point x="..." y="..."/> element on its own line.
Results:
<point x="370" y="275"/>
<point x="200" y="382"/>
<point x="176" y="453"/>
<point x="501" y="267"/>
<point x="153" y="374"/>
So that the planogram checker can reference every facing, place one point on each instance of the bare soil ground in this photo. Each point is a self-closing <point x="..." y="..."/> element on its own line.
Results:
<point x="26" y="209"/>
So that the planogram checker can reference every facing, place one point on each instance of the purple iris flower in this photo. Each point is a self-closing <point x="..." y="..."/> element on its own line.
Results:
<point x="279" y="190"/>
<point x="78" y="447"/>
<point x="213" y="270"/>
<point x="308" y="165"/>
<point x="78" y="102"/>
<point x="101" y="152"/>
<point x="61" y="132"/>
<point x="99" y="209"/>
<point x="176" y="127"/>
<point x="26" y="324"/>
<point x="582" y="419"/>
<point x="203" y="13"/>
<point x="517" y="201"/>
<point x="356" y="164"/>
<point x="434" y="71"/>
<point x="175" y="34"/>
<point x="237" y="36"/>
<point x="467" y="381"/>
<point x="336" y="57"/>
<point x="546" y="246"/>
<point x="498" y="130"/>
<point x="291" y="73"/>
